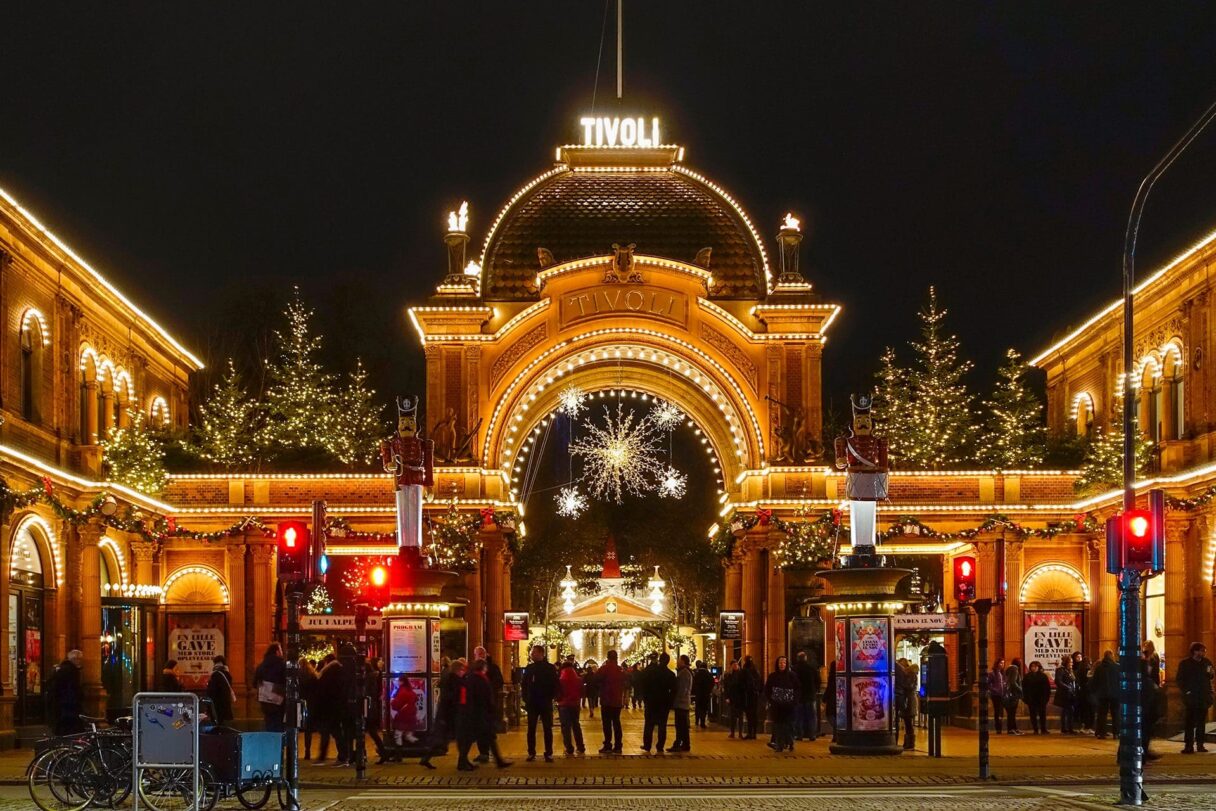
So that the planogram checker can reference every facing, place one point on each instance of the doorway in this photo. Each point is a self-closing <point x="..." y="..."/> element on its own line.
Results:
<point x="26" y="628"/>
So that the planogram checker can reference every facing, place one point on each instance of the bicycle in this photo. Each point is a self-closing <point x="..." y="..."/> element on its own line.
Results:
<point x="74" y="772"/>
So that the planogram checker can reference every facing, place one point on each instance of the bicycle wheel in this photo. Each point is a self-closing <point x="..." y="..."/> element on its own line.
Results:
<point x="167" y="789"/>
<point x="114" y="761"/>
<point x="55" y="783"/>
<point x="253" y="795"/>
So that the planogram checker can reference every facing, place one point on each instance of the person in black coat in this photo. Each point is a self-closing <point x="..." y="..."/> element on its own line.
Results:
<point x="169" y="682"/>
<point x="331" y="709"/>
<point x="219" y="690"/>
<point x="67" y="696"/>
<point x="270" y="679"/>
<point x="702" y="691"/>
<point x="829" y="697"/>
<point x="539" y="686"/>
<point x="1083" y="709"/>
<point x="1104" y="692"/>
<point x="806" y="717"/>
<point x="451" y="684"/>
<point x="1066" y="695"/>
<point x="308" y="695"/>
<point x="475" y="722"/>
<point x="1036" y="692"/>
<point x="782" y="691"/>
<point x="1194" y="677"/>
<point x="753" y="686"/>
<point x="658" y="692"/>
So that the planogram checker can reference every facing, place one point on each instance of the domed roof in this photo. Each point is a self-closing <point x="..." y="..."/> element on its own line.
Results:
<point x="575" y="212"/>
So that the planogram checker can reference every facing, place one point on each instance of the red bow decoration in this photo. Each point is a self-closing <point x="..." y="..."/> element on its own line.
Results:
<point x="171" y="524"/>
<point x="1079" y="519"/>
<point x="47" y="486"/>
<point x="764" y="516"/>
<point x="487" y="517"/>
<point x="836" y="518"/>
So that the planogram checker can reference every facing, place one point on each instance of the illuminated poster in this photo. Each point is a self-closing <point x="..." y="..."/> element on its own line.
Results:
<point x="407" y="645"/>
<point x="871" y="703"/>
<point x="436" y="656"/>
<point x="842" y="702"/>
<point x="841" y="646"/>
<point x="1050" y="636"/>
<point x="194" y="640"/>
<point x="415" y="708"/>
<point x="868" y="651"/>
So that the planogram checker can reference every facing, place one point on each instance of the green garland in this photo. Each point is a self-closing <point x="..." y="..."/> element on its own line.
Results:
<point x="132" y="520"/>
<point x="806" y="542"/>
<point x="911" y="526"/>
<point x="454" y="542"/>
<point x="1187" y="504"/>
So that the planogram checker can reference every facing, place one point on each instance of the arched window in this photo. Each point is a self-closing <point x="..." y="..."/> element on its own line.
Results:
<point x="34" y="339"/>
<point x="1173" y="414"/>
<point x="1148" y="399"/>
<point x="158" y="413"/>
<point x="1083" y="413"/>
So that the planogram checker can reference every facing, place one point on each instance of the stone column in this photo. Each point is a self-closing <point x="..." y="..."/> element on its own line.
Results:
<point x="1180" y="628"/>
<point x="90" y="412"/>
<point x="143" y="553"/>
<point x="492" y="596"/>
<point x="1012" y="619"/>
<point x="8" y="732"/>
<point x="1206" y="610"/>
<point x="241" y="616"/>
<point x="472" y="614"/>
<point x="259" y="602"/>
<point x="775" y="627"/>
<point x="124" y="414"/>
<point x="1095" y="568"/>
<point x="753" y="619"/>
<point x="985" y="587"/>
<point x="734" y="584"/>
<point x="88" y="617"/>
<point x="106" y="421"/>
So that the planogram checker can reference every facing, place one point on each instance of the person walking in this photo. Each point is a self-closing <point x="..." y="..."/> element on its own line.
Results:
<point x="658" y="690"/>
<point x="308" y="697"/>
<point x="996" y="692"/>
<point x="1194" y="678"/>
<point x="475" y="718"/>
<point x="1084" y="706"/>
<point x="1036" y="689"/>
<point x="270" y="679"/>
<point x="1150" y="695"/>
<point x="494" y="674"/>
<point x="732" y="691"/>
<point x="331" y="707"/>
<point x="591" y="688"/>
<point x="539" y="686"/>
<point x="1066" y="695"/>
<point x="611" y="680"/>
<point x="374" y="691"/>
<point x="569" y="703"/>
<point x="451" y="683"/>
<point x="169" y="682"/>
<point x="753" y="687"/>
<point x="782" y="690"/>
<point x="681" y="703"/>
<point x="1104" y="689"/>
<point x="702" y="693"/>
<point x="905" y="700"/>
<point x="806" y="714"/>
<point x="66" y="696"/>
<point x="1013" y="696"/>
<point x="219" y="690"/>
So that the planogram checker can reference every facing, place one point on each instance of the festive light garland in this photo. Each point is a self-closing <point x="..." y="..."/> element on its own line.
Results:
<point x="620" y="456"/>
<point x="807" y="542"/>
<point x="673" y="483"/>
<point x="909" y="525"/>
<point x="570" y="502"/>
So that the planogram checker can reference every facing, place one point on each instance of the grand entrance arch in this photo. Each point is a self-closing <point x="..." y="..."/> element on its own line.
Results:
<point x="618" y="270"/>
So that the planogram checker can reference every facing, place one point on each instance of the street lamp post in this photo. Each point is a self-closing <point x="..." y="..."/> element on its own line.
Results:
<point x="1131" y="737"/>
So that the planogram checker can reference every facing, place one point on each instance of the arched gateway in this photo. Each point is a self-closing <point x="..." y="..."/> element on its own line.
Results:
<point x="619" y="266"/>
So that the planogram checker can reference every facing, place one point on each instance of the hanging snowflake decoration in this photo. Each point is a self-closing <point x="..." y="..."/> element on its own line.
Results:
<point x="673" y="483"/>
<point x="666" y="415"/>
<point x="570" y="502"/>
<point x="620" y="456"/>
<point x="572" y="400"/>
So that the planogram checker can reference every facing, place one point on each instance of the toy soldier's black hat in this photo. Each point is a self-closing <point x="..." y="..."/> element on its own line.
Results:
<point x="407" y="406"/>
<point x="861" y="403"/>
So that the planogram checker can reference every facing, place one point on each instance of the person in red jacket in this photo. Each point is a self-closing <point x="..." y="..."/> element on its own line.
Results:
<point x="611" y="680"/>
<point x="569" y="697"/>
<point x="404" y="706"/>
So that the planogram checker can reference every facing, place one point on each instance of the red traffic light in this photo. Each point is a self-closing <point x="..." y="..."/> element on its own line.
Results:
<point x="378" y="576"/>
<point x="295" y="552"/>
<point x="964" y="578"/>
<point x="1138" y="523"/>
<point x="1135" y="539"/>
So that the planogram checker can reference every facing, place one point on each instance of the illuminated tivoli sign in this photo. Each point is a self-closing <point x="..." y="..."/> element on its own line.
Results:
<point x="620" y="131"/>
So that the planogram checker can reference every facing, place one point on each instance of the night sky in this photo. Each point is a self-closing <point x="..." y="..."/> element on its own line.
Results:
<point x="206" y="156"/>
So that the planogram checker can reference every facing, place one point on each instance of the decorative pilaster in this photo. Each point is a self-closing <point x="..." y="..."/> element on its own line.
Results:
<point x="88" y="617"/>
<point x="259" y="599"/>
<point x="1095" y="570"/>
<point x="1182" y="628"/>
<point x="494" y="562"/>
<point x="472" y="584"/>
<point x="1011" y="619"/>
<point x="143" y="553"/>
<point x="734" y="584"/>
<point x="985" y="586"/>
<point x="774" y="606"/>
<point x="753" y="621"/>
<point x="8" y="733"/>
<point x="239" y="591"/>
<point x="90" y="412"/>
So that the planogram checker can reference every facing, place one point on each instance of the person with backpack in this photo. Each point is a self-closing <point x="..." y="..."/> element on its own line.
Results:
<point x="219" y="690"/>
<point x="782" y="690"/>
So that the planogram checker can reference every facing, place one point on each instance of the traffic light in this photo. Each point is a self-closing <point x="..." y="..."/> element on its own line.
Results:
<point x="320" y="561"/>
<point x="1135" y="539"/>
<point x="964" y="578"/>
<point x="376" y="590"/>
<point x="295" y="551"/>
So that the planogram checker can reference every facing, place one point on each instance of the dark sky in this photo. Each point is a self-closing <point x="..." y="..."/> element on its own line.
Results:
<point x="208" y="153"/>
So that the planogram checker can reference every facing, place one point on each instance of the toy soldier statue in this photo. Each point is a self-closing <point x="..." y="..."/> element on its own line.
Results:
<point x="864" y="456"/>
<point x="411" y="460"/>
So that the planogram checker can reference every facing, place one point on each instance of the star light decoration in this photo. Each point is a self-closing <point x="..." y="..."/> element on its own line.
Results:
<point x="620" y="456"/>
<point x="666" y="415"/>
<point x="572" y="400"/>
<point x="570" y="502"/>
<point x="673" y="483"/>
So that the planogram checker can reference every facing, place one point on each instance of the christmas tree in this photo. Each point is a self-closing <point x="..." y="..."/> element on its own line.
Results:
<point x="135" y="456"/>
<point x="1102" y="468"/>
<point x="227" y="432"/>
<point x="893" y="405"/>
<point x="300" y="402"/>
<point x="1015" y="436"/>
<point x="359" y="426"/>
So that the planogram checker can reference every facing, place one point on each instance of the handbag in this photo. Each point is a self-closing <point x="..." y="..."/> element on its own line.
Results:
<point x="267" y="694"/>
<point x="783" y="695"/>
